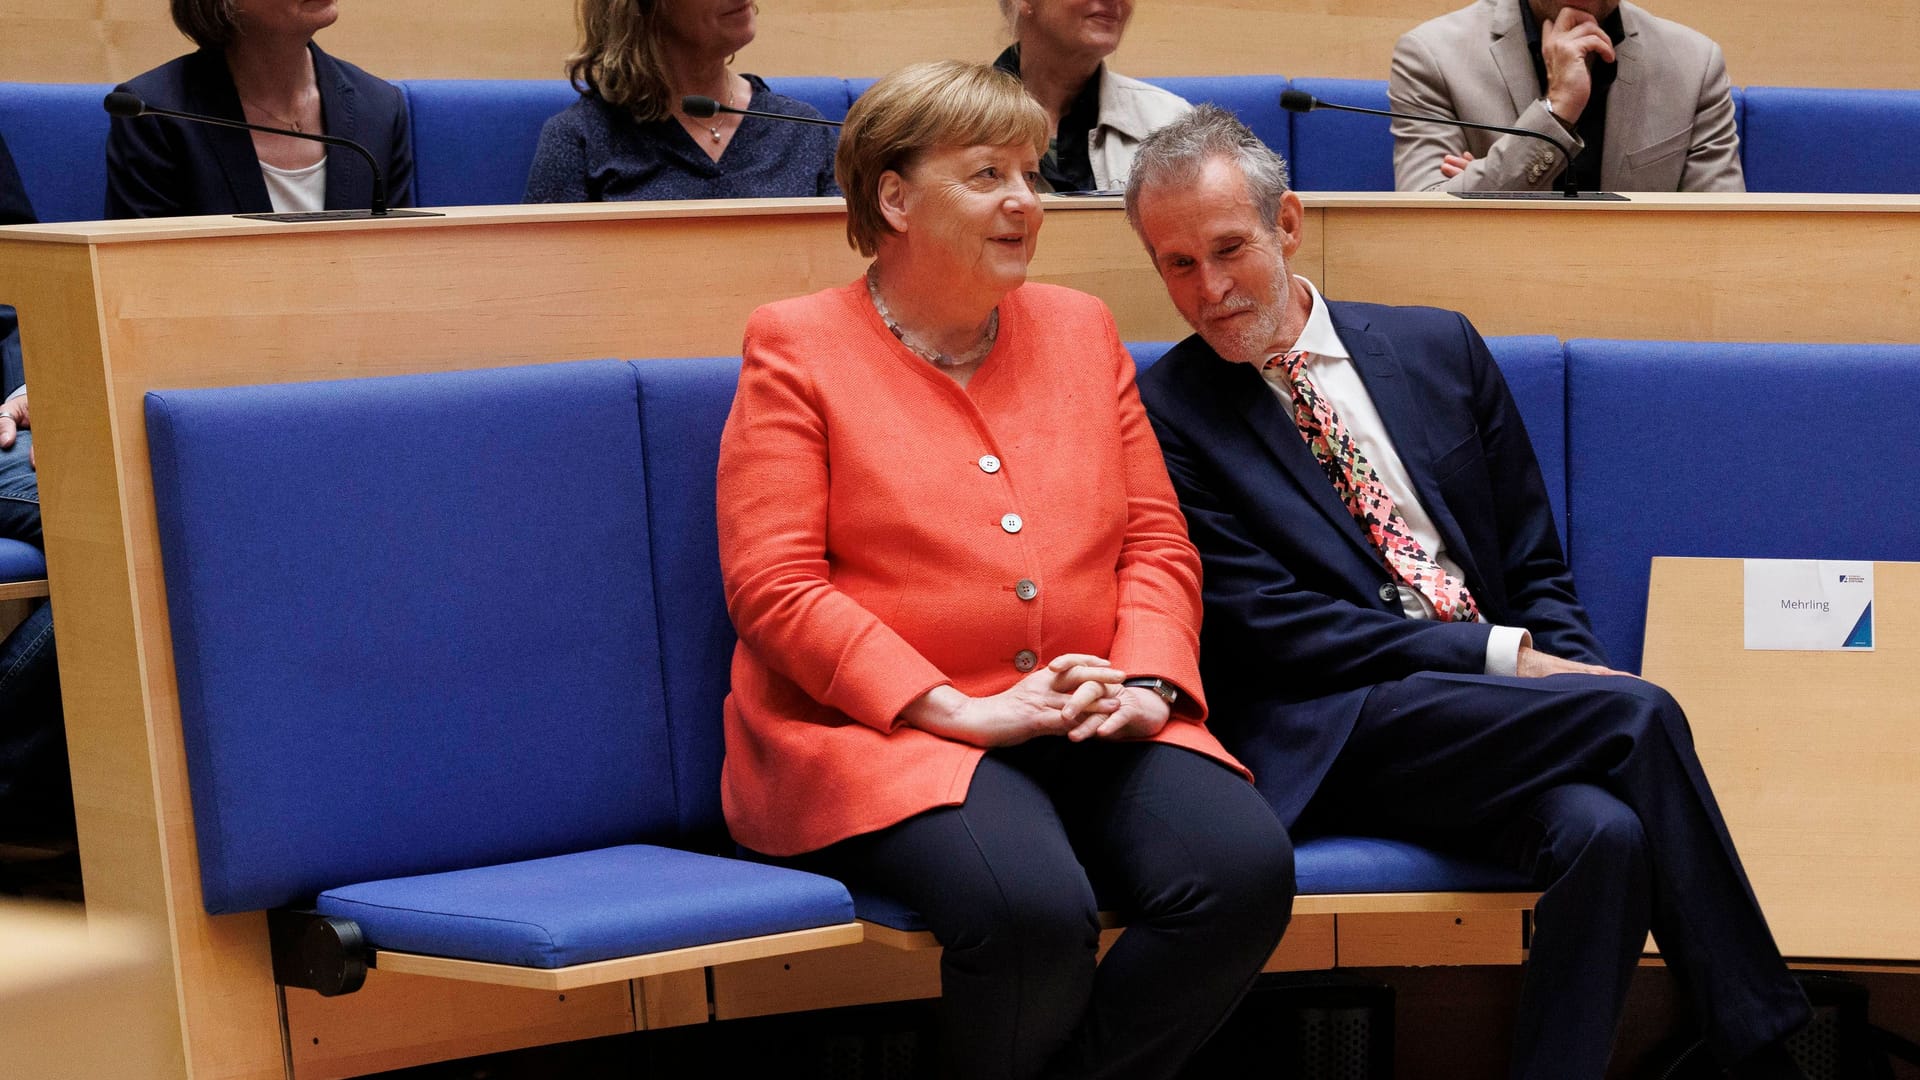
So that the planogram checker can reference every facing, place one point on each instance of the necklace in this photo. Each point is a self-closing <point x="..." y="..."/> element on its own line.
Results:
<point x="293" y="125"/>
<point x="713" y="129"/>
<point x="932" y="355"/>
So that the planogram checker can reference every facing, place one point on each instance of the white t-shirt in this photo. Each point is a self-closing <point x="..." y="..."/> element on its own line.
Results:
<point x="296" y="191"/>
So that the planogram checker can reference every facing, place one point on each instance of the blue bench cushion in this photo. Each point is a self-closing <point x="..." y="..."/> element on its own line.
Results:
<point x="1873" y="136"/>
<point x="413" y="624"/>
<point x="827" y="93"/>
<point x="21" y="561"/>
<point x="1322" y="866"/>
<point x="1733" y="451"/>
<point x="593" y="905"/>
<point x="57" y="134"/>
<point x="1339" y="151"/>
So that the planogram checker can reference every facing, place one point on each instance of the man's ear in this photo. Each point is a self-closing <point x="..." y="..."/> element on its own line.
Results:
<point x="1291" y="225"/>
<point x="892" y="191"/>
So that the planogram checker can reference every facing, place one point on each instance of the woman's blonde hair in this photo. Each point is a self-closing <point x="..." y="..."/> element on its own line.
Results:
<point x="938" y="103"/>
<point x="619" y="57"/>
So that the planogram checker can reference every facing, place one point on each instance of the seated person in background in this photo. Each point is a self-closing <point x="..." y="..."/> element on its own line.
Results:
<point x="35" y="800"/>
<point x="1392" y="636"/>
<point x="626" y="138"/>
<point x="968" y="615"/>
<point x="258" y="63"/>
<point x="1097" y="117"/>
<point x="1643" y="103"/>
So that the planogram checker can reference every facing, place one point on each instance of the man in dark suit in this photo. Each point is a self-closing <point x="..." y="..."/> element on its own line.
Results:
<point x="1392" y="639"/>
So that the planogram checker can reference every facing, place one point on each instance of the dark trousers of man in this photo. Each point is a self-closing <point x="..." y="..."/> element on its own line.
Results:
<point x="1187" y="851"/>
<point x="1591" y="785"/>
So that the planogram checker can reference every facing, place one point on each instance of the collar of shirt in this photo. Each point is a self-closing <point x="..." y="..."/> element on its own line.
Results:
<point x="1318" y="338"/>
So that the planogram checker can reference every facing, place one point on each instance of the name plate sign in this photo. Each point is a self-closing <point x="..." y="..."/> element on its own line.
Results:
<point x="1809" y="605"/>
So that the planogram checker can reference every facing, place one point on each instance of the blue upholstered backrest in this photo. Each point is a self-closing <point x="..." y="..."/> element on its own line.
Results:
<point x="1801" y="139"/>
<point x="1536" y="371"/>
<point x="683" y="407"/>
<point x="413" y="624"/>
<point x="1736" y="451"/>
<point x="1336" y="151"/>
<point x="473" y="139"/>
<point x="57" y="133"/>
<point x="1255" y="99"/>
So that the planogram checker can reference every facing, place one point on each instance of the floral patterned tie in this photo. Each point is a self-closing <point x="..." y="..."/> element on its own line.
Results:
<point x="1366" y="496"/>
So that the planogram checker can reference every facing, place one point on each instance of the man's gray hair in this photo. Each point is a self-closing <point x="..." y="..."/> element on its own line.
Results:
<point x="1177" y="153"/>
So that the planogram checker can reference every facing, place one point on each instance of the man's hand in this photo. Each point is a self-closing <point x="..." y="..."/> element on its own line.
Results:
<point x="1140" y="714"/>
<point x="1566" y="43"/>
<point x="1071" y="691"/>
<point x="1534" y="664"/>
<point x="1454" y="164"/>
<point x="14" y="419"/>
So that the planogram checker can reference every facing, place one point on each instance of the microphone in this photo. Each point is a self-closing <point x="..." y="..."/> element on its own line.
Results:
<point x="1299" y="101"/>
<point x="126" y="104"/>
<point x="704" y="108"/>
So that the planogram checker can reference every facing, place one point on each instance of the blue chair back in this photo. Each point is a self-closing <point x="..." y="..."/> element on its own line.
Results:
<point x="57" y="133"/>
<point x="1733" y="451"/>
<point x="1255" y="99"/>
<point x="412" y="633"/>
<point x="473" y="139"/>
<point x="683" y="408"/>
<point x="1336" y="151"/>
<point x="1801" y="139"/>
<point x="828" y="94"/>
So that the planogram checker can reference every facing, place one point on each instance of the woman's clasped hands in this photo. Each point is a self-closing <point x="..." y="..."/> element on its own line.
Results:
<point x="1074" y="694"/>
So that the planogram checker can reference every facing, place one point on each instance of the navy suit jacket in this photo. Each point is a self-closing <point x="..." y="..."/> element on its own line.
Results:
<point x="1301" y="616"/>
<point x="161" y="167"/>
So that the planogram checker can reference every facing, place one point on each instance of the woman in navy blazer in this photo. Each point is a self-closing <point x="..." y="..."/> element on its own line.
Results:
<point x="256" y="63"/>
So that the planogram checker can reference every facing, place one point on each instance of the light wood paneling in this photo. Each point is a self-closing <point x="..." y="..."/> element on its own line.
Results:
<point x="626" y="968"/>
<point x="1308" y="946"/>
<point x="22" y="590"/>
<point x="1815" y="756"/>
<point x="396" y="1021"/>
<point x="674" y="1000"/>
<point x="860" y="974"/>
<point x="1770" y="42"/>
<point x="57" y="968"/>
<point x="1430" y="939"/>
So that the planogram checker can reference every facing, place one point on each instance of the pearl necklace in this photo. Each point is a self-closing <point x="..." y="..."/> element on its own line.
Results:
<point x="713" y="129"/>
<point x="932" y="355"/>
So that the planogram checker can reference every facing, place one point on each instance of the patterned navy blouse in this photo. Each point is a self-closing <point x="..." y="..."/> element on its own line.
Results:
<point x="594" y="152"/>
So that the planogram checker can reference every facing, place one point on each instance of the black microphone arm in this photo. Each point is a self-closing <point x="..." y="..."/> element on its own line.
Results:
<point x="1300" y="101"/>
<point x="704" y="108"/>
<point x="127" y="104"/>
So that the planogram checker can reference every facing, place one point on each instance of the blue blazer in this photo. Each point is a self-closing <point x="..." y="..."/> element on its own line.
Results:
<point x="160" y="167"/>
<point x="1301" y="616"/>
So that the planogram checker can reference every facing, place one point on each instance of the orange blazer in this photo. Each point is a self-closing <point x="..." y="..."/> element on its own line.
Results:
<point x="876" y="519"/>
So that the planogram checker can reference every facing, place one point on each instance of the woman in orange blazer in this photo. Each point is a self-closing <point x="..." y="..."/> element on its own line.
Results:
<point x="969" y="614"/>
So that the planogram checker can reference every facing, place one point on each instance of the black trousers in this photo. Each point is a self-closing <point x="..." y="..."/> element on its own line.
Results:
<point x="1591" y="785"/>
<point x="1185" y="849"/>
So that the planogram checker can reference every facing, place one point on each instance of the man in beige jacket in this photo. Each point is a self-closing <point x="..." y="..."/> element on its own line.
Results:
<point x="1642" y="102"/>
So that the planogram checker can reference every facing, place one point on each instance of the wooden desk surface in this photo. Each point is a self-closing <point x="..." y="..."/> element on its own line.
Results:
<point x="1815" y="757"/>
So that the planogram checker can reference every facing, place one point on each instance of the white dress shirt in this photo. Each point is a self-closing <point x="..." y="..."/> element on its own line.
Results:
<point x="1330" y="368"/>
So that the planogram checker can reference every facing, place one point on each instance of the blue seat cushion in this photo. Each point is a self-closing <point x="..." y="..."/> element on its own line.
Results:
<point x="473" y="139"/>
<point x="21" y="561"/>
<point x="1366" y="864"/>
<point x="1321" y="866"/>
<point x="57" y="134"/>
<point x="593" y="905"/>
<point x="1254" y="99"/>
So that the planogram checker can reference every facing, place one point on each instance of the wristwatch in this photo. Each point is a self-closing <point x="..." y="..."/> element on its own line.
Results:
<point x="1167" y="691"/>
